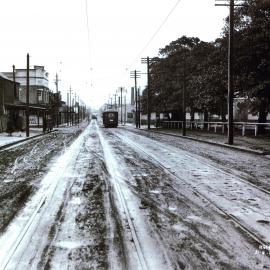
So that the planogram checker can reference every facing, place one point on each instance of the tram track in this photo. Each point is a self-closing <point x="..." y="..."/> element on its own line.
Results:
<point x="41" y="201"/>
<point x="22" y="234"/>
<point x="123" y="203"/>
<point x="256" y="238"/>
<point x="201" y="160"/>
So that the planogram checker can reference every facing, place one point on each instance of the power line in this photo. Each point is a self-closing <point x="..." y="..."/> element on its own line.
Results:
<point x="87" y="25"/>
<point x="89" y="44"/>
<point x="156" y="32"/>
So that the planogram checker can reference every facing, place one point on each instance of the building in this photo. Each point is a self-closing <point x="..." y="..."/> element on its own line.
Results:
<point x="39" y="93"/>
<point x="9" y="92"/>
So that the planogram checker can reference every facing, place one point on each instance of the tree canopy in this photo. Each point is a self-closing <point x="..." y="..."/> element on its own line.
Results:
<point x="202" y="67"/>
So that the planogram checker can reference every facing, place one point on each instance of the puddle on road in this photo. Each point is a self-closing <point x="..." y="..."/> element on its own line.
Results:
<point x="68" y="244"/>
<point x="155" y="191"/>
<point x="179" y="227"/>
<point x="76" y="201"/>
<point x="8" y="180"/>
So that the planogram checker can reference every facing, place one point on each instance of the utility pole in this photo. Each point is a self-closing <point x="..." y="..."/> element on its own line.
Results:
<point x="230" y="75"/>
<point x="56" y="82"/>
<point x="57" y="99"/>
<point x="121" y="105"/>
<point x="147" y="61"/>
<point x="139" y="108"/>
<point x="73" y="112"/>
<point x="121" y="90"/>
<point x="115" y="102"/>
<point x="119" y="102"/>
<point x="75" y="108"/>
<point x="125" y="111"/>
<point x="184" y="99"/>
<point x="184" y="106"/>
<point x="78" y="103"/>
<point x="70" y="117"/>
<point x="134" y="75"/>
<point x="14" y="82"/>
<point x="27" y="97"/>
<point x="230" y="67"/>
<point x="67" y="116"/>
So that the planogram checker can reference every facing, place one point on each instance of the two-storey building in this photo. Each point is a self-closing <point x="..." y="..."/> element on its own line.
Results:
<point x="39" y="93"/>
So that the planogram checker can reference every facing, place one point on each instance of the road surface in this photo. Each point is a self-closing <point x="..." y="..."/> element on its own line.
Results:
<point x="124" y="199"/>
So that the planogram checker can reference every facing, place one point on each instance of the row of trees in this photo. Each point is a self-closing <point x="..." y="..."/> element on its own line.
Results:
<point x="201" y="68"/>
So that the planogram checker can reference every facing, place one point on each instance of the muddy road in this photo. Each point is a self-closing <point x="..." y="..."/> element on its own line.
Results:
<point x="116" y="199"/>
<point x="23" y="166"/>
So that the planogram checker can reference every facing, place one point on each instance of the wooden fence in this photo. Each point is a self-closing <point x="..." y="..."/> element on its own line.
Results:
<point x="244" y="126"/>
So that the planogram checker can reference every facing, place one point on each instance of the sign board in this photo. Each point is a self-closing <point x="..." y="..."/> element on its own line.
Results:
<point x="34" y="120"/>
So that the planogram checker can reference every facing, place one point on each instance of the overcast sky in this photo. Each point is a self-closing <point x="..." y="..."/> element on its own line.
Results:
<point x="55" y="34"/>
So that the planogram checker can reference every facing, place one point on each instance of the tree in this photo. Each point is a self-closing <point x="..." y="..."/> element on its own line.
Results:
<point x="253" y="55"/>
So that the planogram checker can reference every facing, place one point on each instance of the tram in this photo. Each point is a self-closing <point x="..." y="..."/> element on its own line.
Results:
<point x="110" y="119"/>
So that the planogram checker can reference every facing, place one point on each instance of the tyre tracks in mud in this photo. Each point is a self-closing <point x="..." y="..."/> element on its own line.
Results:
<point x="255" y="238"/>
<point x="103" y="238"/>
<point x="244" y="168"/>
<point x="23" y="166"/>
<point x="113" y="169"/>
<point x="26" y="225"/>
<point x="103" y="182"/>
<point x="258" y="239"/>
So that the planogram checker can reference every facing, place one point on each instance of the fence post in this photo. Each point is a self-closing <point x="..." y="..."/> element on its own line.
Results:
<point x="256" y="130"/>
<point x="243" y="129"/>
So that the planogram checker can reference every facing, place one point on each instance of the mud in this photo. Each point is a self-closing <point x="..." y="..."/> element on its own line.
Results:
<point x="23" y="166"/>
<point x="194" y="234"/>
<point x="235" y="162"/>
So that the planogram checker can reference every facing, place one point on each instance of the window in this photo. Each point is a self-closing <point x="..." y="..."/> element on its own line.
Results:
<point x="39" y="95"/>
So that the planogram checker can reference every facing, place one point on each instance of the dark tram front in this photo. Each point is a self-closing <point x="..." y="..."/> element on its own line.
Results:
<point x="110" y="118"/>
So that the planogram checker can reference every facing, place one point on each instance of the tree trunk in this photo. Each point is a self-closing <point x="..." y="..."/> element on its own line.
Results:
<point x="223" y="114"/>
<point x="262" y="117"/>
<point x="192" y="117"/>
<point x="205" y="118"/>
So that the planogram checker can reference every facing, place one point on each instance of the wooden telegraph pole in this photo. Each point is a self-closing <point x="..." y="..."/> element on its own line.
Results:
<point x="232" y="5"/>
<point x="70" y="107"/>
<point x="147" y="61"/>
<point x="134" y="75"/>
<point x="27" y="97"/>
<point x="139" y="108"/>
<point x="14" y="82"/>
<point x="230" y="75"/>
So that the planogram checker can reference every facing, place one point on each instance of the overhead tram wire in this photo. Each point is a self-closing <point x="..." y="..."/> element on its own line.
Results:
<point x="156" y="32"/>
<point x="88" y="37"/>
<point x="153" y="36"/>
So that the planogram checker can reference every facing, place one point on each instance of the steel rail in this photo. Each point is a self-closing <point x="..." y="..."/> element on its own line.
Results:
<point x="47" y="197"/>
<point x="255" y="237"/>
<point x="123" y="203"/>
<point x="216" y="168"/>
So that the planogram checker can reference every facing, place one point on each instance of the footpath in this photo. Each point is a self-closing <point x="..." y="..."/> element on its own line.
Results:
<point x="259" y="145"/>
<point x="6" y="140"/>
<point x="18" y="137"/>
